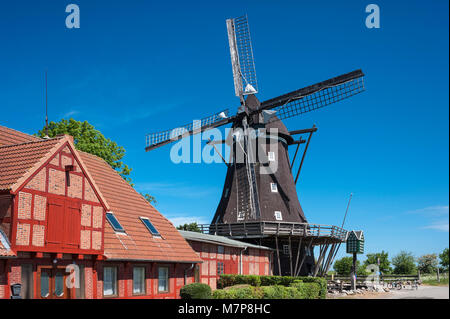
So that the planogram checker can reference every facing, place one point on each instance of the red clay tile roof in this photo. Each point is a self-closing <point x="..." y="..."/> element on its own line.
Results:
<point x="17" y="161"/>
<point x="128" y="205"/>
<point x="9" y="136"/>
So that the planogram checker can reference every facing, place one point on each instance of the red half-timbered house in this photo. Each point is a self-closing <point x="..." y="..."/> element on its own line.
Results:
<point x="65" y="212"/>
<point x="222" y="255"/>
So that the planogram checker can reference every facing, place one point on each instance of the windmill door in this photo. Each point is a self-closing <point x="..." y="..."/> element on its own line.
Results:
<point x="52" y="283"/>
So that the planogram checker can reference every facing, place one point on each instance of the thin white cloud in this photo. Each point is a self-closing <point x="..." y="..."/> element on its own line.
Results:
<point x="441" y="226"/>
<point x="438" y="210"/>
<point x="70" y="113"/>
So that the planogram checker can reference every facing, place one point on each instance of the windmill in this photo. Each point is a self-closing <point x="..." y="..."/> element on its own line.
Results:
<point x="259" y="201"/>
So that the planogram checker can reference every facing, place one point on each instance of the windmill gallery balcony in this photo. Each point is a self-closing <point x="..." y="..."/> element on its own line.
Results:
<point x="319" y="234"/>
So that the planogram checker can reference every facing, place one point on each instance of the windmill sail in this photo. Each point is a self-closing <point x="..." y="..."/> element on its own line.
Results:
<point x="316" y="96"/>
<point x="241" y="51"/>
<point x="158" y="139"/>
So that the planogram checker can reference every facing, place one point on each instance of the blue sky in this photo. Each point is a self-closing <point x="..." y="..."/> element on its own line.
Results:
<point x="137" y="67"/>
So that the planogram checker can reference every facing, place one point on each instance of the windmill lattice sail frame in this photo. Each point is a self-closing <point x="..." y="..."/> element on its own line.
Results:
<point x="244" y="73"/>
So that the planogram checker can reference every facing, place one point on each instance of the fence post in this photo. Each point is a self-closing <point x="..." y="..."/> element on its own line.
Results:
<point x="438" y="278"/>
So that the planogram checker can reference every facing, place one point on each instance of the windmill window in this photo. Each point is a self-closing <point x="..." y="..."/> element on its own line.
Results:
<point x="271" y="156"/>
<point x="240" y="216"/>
<point x="150" y="226"/>
<point x="114" y="222"/>
<point x="286" y="249"/>
<point x="274" y="187"/>
<point x="278" y="215"/>
<point x="220" y="249"/>
<point x="226" y="192"/>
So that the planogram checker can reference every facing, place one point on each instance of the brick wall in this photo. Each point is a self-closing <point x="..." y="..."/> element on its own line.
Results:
<point x="52" y="181"/>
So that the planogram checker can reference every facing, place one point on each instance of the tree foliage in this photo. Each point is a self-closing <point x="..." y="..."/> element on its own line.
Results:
<point x="87" y="139"/>
<point x="404" y="263"/>
<point x="149" y="198"/>
<point x="427" y="263"/>
<point x="343" y="267"/>
<point x="444" y="256"/>
<point x="385" y="264"/>
<point x="190" y="227"/>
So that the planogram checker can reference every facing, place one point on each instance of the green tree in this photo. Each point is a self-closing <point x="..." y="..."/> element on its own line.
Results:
<point x="87" y="139"/>
<point x="149" y="198"/>
<point x="427" y="264"/>
<point x="343" y="267"/>
<point x="444" y="259"/>
<point x="190" y="227"/>
<point x="404" y="263"/>
<point x="385" y="264"/>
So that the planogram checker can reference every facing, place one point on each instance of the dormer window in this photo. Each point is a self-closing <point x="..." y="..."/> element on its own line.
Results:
<point x="274" y="187"/>
<point x="152" y="229"/>
<point x="114" y="222"/>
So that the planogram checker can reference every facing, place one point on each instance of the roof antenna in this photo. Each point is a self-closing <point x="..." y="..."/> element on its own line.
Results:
<point x="348" y="205"/>
<point x="46" y="107"/>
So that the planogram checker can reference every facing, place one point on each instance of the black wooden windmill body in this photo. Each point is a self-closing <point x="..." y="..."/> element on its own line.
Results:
<point x="259" y="202"/>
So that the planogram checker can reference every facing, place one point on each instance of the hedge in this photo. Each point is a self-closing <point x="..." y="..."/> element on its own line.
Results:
<point x="298" y="290"/>
<point x="195" y="291"/>
<point x="256" y="281"/>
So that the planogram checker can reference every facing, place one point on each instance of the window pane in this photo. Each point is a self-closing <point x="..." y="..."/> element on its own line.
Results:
<point x="44" y="284"/>
<point x="163" y="279"/>
<point x="59" y="284"/>
<point x="114" y="222"/>
<point x="138" y="280"/>
<point x="150" y="226"/>
<point x="109" y="281"/>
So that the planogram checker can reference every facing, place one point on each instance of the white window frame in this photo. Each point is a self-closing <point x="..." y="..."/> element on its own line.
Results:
<point x="271" y="156"/>
<point x="274" y="187"/>
<point x="278" y="215"/>
<point x="240" y="216"/>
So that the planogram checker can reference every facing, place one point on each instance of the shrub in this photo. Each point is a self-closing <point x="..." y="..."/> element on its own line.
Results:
<point x="248" y="292"/>
<point x="298" y="290"/>
<point x="256" y="281"/>
<point x="309" y="290"/>
<point x="195" y="291"/>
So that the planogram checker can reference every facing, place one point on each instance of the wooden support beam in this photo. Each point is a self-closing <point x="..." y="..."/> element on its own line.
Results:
<point x="304" y="153"/>
<point x="298" y="254"/>
<point x="290" y="255"/>
<point x="303" y="259"/>
<point x="278" y="256"/>
<point x="323" y="251"/>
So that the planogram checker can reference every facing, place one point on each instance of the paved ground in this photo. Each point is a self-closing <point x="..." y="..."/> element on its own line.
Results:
<point x="424" y="292"/>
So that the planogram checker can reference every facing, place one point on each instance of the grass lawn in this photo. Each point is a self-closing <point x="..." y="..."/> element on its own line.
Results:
<point x="431" y="280"/>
